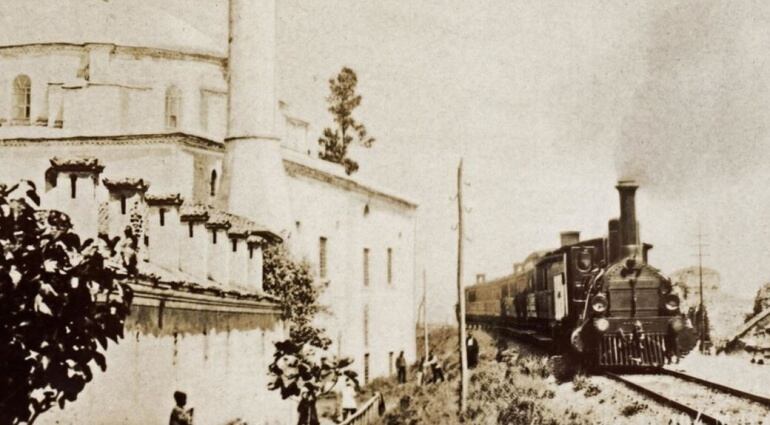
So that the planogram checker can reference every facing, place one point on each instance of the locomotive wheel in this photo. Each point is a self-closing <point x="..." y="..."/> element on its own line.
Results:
<point x="562" y="368"/>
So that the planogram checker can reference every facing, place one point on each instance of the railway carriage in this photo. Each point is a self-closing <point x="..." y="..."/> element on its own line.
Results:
<point x="598" y="299"/>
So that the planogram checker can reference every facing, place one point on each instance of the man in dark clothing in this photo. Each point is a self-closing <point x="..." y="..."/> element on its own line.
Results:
<point x="472" y="348"/>
<point x="401" y="368"/>
<point x="308" y="414"/>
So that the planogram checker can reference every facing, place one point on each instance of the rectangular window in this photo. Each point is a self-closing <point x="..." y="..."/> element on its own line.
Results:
<point x="73" y="186"/>
<point x="390" y="266"/>
<point x="123" y="204"/>
<point x="190" y="228"/>
<point x="204" y="111"/>
<point x="390" y="363"/>
<point x="162" y="213"/>
<point x="214" y="236"/>
<point x="366" y="266"/>
<point x="235" y="245"/>
<point x="322" y="257"/>
<point x="366" y="326"/>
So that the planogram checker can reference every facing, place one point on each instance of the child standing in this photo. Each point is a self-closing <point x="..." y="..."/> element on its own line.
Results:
<point x="180" y="416"/>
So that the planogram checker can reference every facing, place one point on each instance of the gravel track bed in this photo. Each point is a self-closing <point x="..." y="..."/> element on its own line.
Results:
<point x="723" y="406"/>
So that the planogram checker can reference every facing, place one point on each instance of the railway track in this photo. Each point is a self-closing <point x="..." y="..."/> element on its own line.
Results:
<point x="702" y="400"/>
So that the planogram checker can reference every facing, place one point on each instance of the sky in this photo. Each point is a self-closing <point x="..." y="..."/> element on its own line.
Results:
<point x="548" y="103"/>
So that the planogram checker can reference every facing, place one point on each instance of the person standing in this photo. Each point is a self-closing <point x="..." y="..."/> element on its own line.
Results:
<point x="401" y="368"/>
<point x="308" y="413"/>
<point x="438" y="372"/>
<point x="431" y="365"/>
<point x="420" y="374"/>
<point x="349" y="404"/>
<point x="472" y="347"/>
<point x="180" y="415"/>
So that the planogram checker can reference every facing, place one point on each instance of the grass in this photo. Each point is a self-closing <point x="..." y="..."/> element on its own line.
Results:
<point x="581" y="383"/>
<point x="633" y="408"/>
<point x="509" y="392"/>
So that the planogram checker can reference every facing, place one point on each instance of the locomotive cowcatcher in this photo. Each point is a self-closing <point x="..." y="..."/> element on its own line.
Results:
<point x="597" y="300"/>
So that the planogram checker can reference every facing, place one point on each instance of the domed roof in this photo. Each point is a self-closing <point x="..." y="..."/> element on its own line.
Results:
<point x="117" y="22"/>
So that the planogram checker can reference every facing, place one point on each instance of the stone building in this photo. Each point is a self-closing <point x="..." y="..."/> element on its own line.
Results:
<point x="115" y="111"/>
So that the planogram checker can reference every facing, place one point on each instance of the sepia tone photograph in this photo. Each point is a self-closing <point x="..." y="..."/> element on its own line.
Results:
<point x="294" y="212"/>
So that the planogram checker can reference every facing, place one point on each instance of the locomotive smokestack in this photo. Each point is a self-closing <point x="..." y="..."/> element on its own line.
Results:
<point x="629" y="233"/>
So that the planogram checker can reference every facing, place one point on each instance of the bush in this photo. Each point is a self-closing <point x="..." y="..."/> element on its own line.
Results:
<point x="633" y="408"/>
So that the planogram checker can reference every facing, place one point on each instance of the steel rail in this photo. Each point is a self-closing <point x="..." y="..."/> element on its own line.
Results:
<point x="724" y="388"/>
<point x="690" y="411"/>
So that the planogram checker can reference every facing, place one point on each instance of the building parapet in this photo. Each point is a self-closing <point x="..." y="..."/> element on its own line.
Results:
<point x="294" y="163"/>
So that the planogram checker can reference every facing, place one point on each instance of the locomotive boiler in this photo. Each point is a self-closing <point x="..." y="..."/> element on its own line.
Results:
<point x="597" y="300"/>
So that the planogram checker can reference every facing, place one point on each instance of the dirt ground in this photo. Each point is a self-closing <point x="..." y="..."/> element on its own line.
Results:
<point x="520" y="389"/>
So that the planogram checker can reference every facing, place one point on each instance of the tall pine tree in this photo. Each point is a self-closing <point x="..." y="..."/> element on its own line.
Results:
<point x="342" y="101"/>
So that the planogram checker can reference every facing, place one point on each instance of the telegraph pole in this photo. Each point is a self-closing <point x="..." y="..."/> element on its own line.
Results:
<point x="425" y="312"/>
<point x="702" y="318"/>
<point x="460" y="295"/>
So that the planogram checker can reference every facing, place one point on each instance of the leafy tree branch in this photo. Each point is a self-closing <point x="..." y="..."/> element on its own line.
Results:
<point x="61" y="301"/>
<point x="300" y="368"/>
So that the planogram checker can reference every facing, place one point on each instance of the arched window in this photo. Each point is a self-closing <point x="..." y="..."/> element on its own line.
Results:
<point x="213" y="183"/>
<point x="22" y="96"/>
<point x="173" y="107"/>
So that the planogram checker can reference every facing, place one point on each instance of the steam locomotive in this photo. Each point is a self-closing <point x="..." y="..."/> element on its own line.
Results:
<point x="597" y="300"/>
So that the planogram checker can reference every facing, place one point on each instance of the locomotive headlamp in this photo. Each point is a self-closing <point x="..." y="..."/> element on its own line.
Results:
<point x="602" y="324"/>
<point x="599" y="303"/>
<point x="671" y="302"/>
<point x="584" y="261"/>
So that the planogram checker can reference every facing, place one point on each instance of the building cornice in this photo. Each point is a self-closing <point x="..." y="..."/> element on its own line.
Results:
<point x="131" y="139"/>
<point x="132" y="51"/>
<point x="295" y="168"/>
<point x="147" y="294"/>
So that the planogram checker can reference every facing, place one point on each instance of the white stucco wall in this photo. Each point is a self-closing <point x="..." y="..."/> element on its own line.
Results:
<point x="321" y="209"/>
<point x="125" y="92"/>
<point x="223" y="373"/>
<point x="318" y="208"/>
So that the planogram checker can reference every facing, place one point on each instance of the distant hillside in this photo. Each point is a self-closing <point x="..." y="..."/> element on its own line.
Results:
<point x="726" y="311"/>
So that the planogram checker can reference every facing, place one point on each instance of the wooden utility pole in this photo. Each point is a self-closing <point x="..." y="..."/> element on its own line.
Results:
<point x="460" y="294"/>
<point x="425" y="312"/>
<point x="702" y="318"/>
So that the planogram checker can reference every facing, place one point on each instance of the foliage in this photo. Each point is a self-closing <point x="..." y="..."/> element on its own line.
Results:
<point x="59" y="303"/>
<point x="633" y="408"/>
<point x="342" y="101"/>
<point x="292" y="282"/>
<point x="299" y="367"/>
